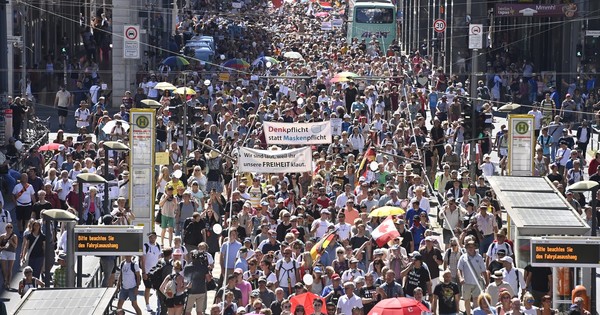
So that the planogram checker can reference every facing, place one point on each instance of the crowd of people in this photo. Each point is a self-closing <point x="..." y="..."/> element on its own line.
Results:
<point x="402" y="144"/>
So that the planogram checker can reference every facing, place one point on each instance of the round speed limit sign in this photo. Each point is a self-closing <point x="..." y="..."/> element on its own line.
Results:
<point x="439" y="25"/>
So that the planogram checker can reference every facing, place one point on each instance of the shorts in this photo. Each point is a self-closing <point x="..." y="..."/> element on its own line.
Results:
<point x="23" y="212"/>
<point x="147" y="283"/>
<point x="199" y="301"/>
<point x="178" y="300"/>
<point x="470" y="291"/>
<point x="62" y="111"/>
<point x="167" y="222"/>
<point x="7" y="255"/>
<point x="125" y="294"/>
<point x="447" y="235"/>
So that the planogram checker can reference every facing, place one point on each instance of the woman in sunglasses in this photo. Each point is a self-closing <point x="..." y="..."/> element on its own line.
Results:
<point x="546" y="308"/>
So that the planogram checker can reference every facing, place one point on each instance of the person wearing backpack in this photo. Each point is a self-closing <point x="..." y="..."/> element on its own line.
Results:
<point x="187" y="207"/>
<point x="192" y="231"/>
<point x="287" y="271"/>
<point x="148" y="261"/>
<point x="129" y="283"/>
<point x="174" y="289"/>
<point x="157" y="275"/>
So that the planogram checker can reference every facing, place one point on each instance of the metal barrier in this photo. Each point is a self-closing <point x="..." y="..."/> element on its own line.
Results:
<point x="96" y="278"/>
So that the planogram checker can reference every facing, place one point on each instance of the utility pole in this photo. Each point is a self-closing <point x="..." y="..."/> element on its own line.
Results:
<point x="474" y="114"/>
<point x="23" y="51"/>
<point x="185" y="122"/>
<point x="5" y="50"/>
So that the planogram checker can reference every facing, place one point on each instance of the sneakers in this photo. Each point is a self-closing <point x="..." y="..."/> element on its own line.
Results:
<point x="148" y="308"/>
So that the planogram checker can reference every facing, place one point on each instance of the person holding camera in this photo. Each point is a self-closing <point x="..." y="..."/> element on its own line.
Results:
<point x="196" y="274"/>
<point x="168" y="207"/>
<point x="122" y="215"/>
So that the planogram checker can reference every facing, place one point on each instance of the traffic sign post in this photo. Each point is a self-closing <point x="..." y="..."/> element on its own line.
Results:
<point x="439" y="26"/>
<point x="475" y="36"/>
<point x="131" y="42"/>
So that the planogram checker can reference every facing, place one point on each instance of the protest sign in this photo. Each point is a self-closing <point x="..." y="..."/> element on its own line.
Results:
<point x="275" y="161"/>
<point x="298" y="133"/>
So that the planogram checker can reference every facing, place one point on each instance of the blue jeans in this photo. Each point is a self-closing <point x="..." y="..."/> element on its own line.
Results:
<point x="553" y="149"/>
<point x="458" y="148"/>
<point x="485" y="243"/>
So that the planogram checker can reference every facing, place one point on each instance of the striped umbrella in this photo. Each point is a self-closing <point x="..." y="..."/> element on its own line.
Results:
<point x="264" y="61"/>
<point x="238" y="64"/>
<point x="175" y="61"/>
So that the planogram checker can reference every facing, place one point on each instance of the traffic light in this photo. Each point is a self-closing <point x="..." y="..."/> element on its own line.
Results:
<point x="579" y="51"/>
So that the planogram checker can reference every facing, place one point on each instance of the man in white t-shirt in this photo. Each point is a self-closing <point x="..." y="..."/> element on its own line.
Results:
<point x="25" y="198"/>
<point x="148" y="261"/>
<point x="343" y="229"/>
<point x="95" y="90"/>
<point x="152" y="92"/>
<point x="500" y="243"/>
<point x="348" y="301"/>
<point x="82" y="115"/>
<point x="320" y="227"/>
<point x="287" y="270"/>
<point x="129" y="283"/>
<point x="62" y="101"/>
<point x="63" y="187"/>
<point x="537" y="118"/>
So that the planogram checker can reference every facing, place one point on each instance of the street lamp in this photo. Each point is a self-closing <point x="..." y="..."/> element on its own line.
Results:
<point x="115" y="146"/>
<point x="593" y="186"/>
<point x="60" y="215"/>
<point x="85" y="178"/>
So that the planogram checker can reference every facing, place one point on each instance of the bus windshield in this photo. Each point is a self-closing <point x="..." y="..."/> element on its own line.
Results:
<point x="374" y="15"/>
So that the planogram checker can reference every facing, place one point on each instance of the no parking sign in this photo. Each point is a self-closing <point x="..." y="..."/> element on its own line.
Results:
<point x="131" y="42"/>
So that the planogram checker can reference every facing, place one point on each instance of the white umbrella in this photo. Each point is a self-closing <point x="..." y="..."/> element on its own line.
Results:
<point x="293" y="55"/>
<point x="164" y="86"/>
<point x="111" y="124"/>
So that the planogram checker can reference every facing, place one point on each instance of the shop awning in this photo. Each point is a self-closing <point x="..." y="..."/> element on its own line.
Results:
<point x="536" y="208"/>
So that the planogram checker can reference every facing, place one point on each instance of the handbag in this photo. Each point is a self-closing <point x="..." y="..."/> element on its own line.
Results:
<point x="25" y="260"/>
<point x="158" y="217"/>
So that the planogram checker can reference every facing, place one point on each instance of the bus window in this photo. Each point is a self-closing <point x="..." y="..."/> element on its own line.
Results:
<point x="374" y="15"/>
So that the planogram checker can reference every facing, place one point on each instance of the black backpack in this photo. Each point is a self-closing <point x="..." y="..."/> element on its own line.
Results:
<point x="187" y="232"/>
<point x="157" y="274"/>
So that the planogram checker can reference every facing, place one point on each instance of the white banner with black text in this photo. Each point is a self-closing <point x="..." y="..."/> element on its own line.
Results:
<point x="275" y="161"/>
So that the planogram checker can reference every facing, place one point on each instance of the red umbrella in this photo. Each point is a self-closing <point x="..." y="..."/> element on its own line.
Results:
<point x="306" y="299"/>
<point x="398" y="306"/>
<point x="49" y="147"/>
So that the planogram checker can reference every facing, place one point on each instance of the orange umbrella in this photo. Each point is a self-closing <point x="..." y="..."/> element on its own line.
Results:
<point x="306" y="299"/>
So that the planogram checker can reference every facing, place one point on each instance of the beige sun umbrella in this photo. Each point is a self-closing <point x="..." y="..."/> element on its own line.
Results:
<point x="164" y="86"/>
<point x="151" y="102"/>
<point x="185" y="90"/>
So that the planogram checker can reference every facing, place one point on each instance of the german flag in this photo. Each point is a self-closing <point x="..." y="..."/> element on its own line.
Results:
<point x="364" y="164"/>
<point x="318" y="248"/>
